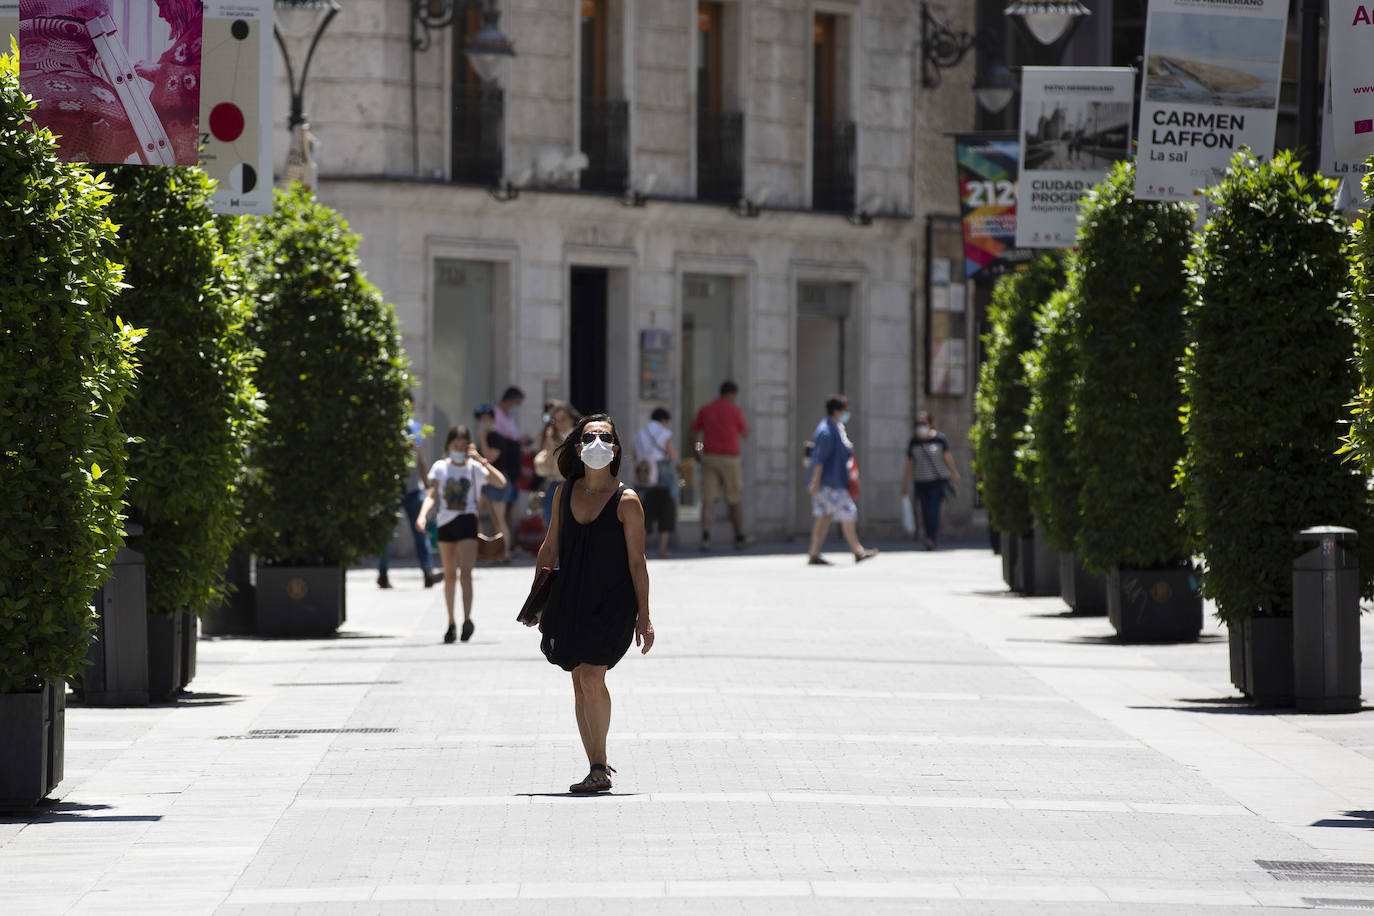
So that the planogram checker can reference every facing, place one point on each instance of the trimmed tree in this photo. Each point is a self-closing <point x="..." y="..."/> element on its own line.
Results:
<point x="196" y="401"/>
<point x="66" y="369"/>
<point x="330" y="457"/>
<point x="1130" y="340"/>
<point x="1268" y="378"/>
<point x="1003" y="397"/>
<point x="1047" y="457"/>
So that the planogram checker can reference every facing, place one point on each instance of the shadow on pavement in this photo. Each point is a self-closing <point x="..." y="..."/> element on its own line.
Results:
<point x="576" y="794"/>
<point x="71" y="813"/>
<point x="1363" y="819"/>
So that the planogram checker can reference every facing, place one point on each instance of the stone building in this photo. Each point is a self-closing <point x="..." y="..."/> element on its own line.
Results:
<point x="657" y="196"/>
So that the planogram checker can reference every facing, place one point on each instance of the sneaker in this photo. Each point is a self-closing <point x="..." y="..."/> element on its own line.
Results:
<point x="450" y="634"/>
<point x="467" y="630"/>
<point x="383" y="581"/>
<point x="433" y="578"/>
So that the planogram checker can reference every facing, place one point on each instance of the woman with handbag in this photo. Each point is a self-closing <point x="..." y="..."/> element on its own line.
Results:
<point x="599" y="600"/>
<point x="562" y="416"/>
<point x="930" y="471"/>
<point x="832" y="455"/>
<point x="454" y="482"/>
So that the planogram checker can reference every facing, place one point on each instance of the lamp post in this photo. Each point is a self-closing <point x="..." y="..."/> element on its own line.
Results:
<point x="299" y="16"/>
<point x="942" y="47"/>
<point x="1309" y="84"/>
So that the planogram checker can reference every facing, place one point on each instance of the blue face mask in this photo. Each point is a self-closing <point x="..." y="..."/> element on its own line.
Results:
<point x="457" y="457"/>
<point x="844" y="417"/>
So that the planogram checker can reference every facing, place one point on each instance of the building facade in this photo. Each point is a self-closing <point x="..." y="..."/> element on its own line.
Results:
<point x="660" y="195"/>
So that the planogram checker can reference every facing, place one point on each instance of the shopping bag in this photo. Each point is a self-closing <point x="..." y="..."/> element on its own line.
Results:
<point x="908" y="516"/>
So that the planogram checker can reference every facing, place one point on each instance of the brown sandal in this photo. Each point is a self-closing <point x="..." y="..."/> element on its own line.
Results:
<point x="598" y="780"/>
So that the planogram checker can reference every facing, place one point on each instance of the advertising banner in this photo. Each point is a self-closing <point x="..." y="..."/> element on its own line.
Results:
<point x="116" y="82"/>
<point x="236" y="104"/>
<point x="1075" y="122"/>
<point x="1351" y="172"/>
<point x="1350" y="60"/>
<point x="1212" y="70"/>
<point x="987" y="196"/>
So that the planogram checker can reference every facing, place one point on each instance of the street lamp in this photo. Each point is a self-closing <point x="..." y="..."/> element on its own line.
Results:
<point x="1048" y="20"/>
<point x="299" y="16"/>
<point x="942" y="48"/>
<point x="488" y="50"/>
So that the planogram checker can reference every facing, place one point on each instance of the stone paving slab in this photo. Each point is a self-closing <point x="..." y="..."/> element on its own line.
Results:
<point x="896" y="737"/>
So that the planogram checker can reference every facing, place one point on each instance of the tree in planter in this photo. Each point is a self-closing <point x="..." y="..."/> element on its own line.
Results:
<point x="1047" y="460"/>
<point x="331" y="454"/>
<point x="1002" y="398"/>
<point x="1267" y="379"/>
<point x="65" y="371"/>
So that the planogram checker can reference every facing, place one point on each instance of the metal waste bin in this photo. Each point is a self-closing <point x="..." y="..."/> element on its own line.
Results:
<point x="1326" y="622"/>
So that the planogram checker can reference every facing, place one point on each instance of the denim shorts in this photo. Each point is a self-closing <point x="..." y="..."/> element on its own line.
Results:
<point x="497" y="494"/>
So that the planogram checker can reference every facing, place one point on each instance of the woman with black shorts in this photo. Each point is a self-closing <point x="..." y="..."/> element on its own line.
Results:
<point x="455" y="483"/>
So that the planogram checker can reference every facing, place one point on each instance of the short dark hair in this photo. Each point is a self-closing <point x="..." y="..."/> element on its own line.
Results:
<point x="457" y="432"/>
<point x="660" y="413"/>
<point x="512" y="392"/>
<point x="483" y="410"/>
<point x="727" y="388"/>
<point x="570" y="463"/>
<point x="925" y="414"/>
<point x="836" y="402"/>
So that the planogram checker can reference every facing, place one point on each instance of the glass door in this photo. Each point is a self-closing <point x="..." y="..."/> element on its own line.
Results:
<point x="707" y="360"/>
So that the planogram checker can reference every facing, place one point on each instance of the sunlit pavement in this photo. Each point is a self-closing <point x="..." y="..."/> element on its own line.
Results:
<point x="892" y="737"/>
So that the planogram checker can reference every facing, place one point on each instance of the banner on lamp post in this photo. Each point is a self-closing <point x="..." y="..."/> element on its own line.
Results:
<point x="1350" y="172"/>
<point x="1350" y="86"/>
<point x="1075" y="122"/>
<point x="988" y="165"/>
<point x="236" y="104"/>
<point x="1212" y="70"/>
<point x="116" y="82"/>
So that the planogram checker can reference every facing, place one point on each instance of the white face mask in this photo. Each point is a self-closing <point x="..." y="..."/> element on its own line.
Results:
<point x="597" y="454"/>
<point x="922" y="430"/>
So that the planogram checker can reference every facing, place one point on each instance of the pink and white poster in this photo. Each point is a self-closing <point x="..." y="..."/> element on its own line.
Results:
<point x="118" y="81"/>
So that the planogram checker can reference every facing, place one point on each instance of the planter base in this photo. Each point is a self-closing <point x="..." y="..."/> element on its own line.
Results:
<point x="165" y="655"/>
<point x="1154" y="605"/>
<point x="1083" y="592"/>
<point x="32" y="728"/>
<point x="1008" y="554"/>
<point x="1268" y="659"/>
<point x="300" y="600"/>
<point x="117" y="673"/>
<point x="234" y="616"/>
<point x="1042" y="572"/>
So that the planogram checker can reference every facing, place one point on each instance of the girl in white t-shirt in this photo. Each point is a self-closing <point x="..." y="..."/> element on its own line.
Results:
<point x="454" y="484"/>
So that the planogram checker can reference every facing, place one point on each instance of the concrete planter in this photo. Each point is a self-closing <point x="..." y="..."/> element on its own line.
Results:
<point x="1084" y="592"/>
<point x="1267" y="660"/>
<point x="166" y="655"/>
<point x="190" y="637"/>
<point x="32" y="727"/>
<point x="1037" y="567"/>
<point x="1008" y="553"/>
<point x="116" y="673"/>
<point x="235" y="616"/>
<point x="299" y="600"/>
<point x="1154" y="605"/>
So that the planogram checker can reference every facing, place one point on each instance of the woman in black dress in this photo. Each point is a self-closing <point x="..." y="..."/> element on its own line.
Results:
<point x="600" y="598"/>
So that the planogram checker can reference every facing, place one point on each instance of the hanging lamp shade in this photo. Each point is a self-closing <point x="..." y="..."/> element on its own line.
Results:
<point x="1047" y="20"/>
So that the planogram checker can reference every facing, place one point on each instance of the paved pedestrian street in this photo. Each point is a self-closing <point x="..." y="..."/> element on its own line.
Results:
<point x="896" y="737"/>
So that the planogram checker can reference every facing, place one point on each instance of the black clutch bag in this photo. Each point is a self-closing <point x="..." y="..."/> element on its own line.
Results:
<point x="540" y="594"/>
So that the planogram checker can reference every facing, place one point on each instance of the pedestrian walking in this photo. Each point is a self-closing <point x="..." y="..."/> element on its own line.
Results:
<point x="929" y="471"/>
<point x="453" y="484"/>
<point x="561" y="419"/>
<point x="503" y="439"/>
<point x="831" y="500"/>
<point x="412" y="495"/>
<point x="492" y="499"/>
<point x="656" y="477"/>
<point x="600" y="597"/>
<point x="718" y="428"/>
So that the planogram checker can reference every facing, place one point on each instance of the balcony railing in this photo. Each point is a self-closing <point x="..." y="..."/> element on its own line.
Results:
<point x="832" y="182"/>
<point x="720" y="155"/>
<point x="478" y="125"/>
<point x="606" y="141"/>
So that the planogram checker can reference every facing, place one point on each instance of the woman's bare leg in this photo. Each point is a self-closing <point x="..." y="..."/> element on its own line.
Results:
<point x="467" y="555"/>
<point x="851" y="534"/>
<point x="819" y="529"/>
<point x="596" y="710"/>
<point x="580" y="706"/>
<point x="448" y="555"/>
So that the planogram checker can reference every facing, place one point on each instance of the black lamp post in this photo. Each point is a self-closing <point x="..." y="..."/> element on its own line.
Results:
<point x="487" y="50"/>
<point x="942" y="47"/>
<point x="1309" y="84"/>
<point x="300" y="15"/>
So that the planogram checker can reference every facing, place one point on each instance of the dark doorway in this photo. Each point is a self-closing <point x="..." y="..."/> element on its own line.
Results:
<point x="587" y="339"/>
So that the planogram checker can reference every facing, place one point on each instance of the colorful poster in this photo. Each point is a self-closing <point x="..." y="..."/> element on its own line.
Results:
<point x="987" y="196"/>
<point x="1075" y="122"/>
<point x="1212" y="70"/>
<point x="116" y="82"/>
<point x="236" y="104"/>
<point x="1350" y="58"/>
<point x="1351" y="172"/>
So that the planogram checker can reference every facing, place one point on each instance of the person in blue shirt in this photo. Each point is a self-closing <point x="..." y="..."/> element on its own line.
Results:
<point x="412" y="494"/>
<point x="829" y="483"/>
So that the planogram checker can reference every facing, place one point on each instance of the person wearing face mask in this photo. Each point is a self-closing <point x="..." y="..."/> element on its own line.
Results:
<point x="454" y="483"/>
<point x="929" y="470"/>
<point x="600" y="598"/>
<point x="829" y="486"/>
<point x="558" y="423"/>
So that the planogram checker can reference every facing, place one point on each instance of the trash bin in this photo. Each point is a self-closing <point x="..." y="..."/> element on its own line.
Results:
<point x="1326" y="622"/>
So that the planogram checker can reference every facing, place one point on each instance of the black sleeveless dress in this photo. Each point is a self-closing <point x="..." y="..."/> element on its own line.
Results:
<point x="591" y="617"/>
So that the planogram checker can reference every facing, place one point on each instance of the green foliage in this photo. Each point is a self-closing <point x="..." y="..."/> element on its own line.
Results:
<point x="1003" y="397"/>
<point x="1267" y="379"/>
<point x="330" y="458"/>
<point x="196" y="402"/>
<point x="65" y="370"/>
<point x="1048" y="463"/>
<point x="1130" y="341"/>
<point x="1359" y="440"/>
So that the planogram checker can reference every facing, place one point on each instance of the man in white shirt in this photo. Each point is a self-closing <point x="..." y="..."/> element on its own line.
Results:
<point x="656" y="477"/>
